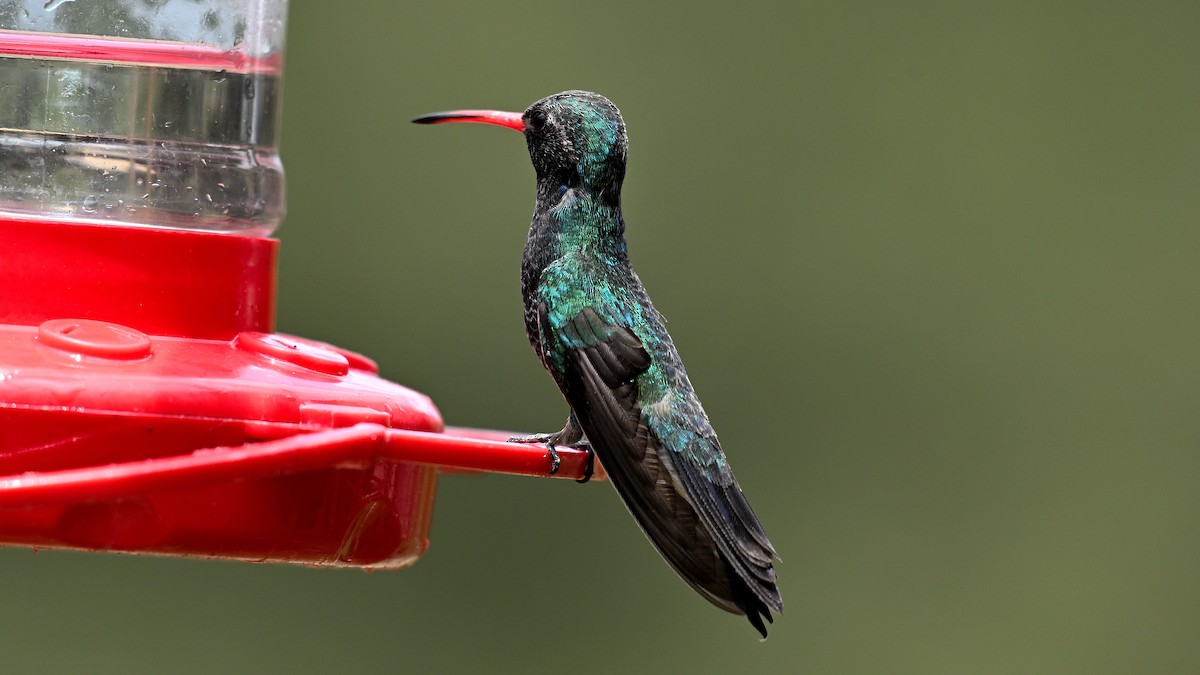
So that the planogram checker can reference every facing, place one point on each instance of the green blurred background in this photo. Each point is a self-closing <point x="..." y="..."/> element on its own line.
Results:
<point x="932" y="267"/>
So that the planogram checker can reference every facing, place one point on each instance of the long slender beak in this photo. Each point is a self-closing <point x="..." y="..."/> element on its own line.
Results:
<point x="504" y="119"/>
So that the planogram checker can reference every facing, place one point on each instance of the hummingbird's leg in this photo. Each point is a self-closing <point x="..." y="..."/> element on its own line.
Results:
<point x="571" y="436"/>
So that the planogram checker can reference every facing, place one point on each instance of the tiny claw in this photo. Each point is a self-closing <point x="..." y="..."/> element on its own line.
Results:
<point x="554" y="461"/>
<point x="591" y="462"/>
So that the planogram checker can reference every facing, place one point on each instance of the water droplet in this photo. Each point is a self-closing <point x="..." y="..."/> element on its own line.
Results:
<point x="249" y="89"/>
<point x="89" y="204"/>
<point x="141" y="182"/>
<point x="220" y="76"/>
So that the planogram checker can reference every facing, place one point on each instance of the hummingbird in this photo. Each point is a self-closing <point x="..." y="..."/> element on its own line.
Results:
<point x="593" y="327"/>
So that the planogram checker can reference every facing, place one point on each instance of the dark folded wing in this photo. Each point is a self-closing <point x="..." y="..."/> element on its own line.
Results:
<point x="686" y="516"/>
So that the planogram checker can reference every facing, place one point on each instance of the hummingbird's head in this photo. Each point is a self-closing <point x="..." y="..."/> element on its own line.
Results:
<point x="575" y="138"/>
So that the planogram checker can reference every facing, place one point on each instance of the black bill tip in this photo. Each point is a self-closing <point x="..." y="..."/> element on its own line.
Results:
<point x="440" y="117"/>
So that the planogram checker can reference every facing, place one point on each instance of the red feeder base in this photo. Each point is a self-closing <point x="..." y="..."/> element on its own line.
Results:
<point x="146" y="407"/>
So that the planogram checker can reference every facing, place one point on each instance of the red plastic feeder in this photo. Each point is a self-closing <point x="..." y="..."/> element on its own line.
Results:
<point x="146" y="405"/>
<point x="166" y="418"/>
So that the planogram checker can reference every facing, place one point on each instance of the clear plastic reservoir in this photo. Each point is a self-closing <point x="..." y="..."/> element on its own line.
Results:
<point x="160" y="113"/>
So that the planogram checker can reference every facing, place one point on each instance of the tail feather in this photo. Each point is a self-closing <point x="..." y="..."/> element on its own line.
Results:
<point x="755" y="610"/>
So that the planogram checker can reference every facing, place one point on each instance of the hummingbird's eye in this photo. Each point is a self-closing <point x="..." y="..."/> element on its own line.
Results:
<point x="537" y="120"/>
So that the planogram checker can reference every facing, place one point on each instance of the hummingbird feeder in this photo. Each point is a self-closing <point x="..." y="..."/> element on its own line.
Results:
<point x="146" y="403"/>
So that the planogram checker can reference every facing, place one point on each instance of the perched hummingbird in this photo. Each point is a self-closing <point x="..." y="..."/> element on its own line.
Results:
<point x="594" y="328"/>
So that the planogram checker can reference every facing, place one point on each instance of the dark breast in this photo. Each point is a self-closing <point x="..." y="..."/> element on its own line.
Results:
<point x="539" y="253"/>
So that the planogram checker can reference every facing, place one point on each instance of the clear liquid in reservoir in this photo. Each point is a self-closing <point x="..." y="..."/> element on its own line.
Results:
<point x="139" y="132"/>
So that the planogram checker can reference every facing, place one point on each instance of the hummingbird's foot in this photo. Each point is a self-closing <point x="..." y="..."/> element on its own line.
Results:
<point x="549" y="440"/>
<point x="552" y="448"/>
<point x="570" y="436"/>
